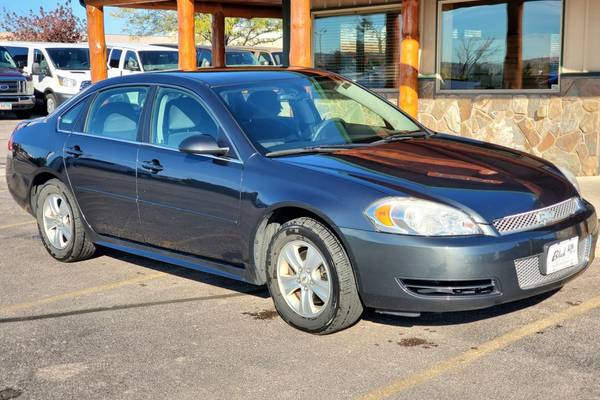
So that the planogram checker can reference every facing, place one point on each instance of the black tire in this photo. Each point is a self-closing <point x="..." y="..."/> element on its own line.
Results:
<point x="345" y="306"/>
<point x="23" y="114"/>
<point x="79" y="247"/>
<point x="50" y="102"/>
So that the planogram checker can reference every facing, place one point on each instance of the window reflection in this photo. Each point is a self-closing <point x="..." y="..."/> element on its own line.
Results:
<point x="360" y="47"/>
<point x="511" y="44"/>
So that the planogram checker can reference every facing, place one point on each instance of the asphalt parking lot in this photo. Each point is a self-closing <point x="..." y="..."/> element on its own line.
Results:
<point x="123" y="327"/>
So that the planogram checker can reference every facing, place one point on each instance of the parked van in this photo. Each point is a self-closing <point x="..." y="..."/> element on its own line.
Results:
<point x="267" y="56"/>
<point x="126" y="59"/>
<point x="16" y="88"/>
<point x="234" y="56"/>
<point x="58" y="70"/>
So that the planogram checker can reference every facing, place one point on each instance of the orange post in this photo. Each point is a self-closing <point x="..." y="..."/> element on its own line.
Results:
<point x="97" y="42"/>
<point x="218" y="39"/>
<point x="408" y="69"/>
<point x="187" y="41"/>
<point x="300" y="33"/>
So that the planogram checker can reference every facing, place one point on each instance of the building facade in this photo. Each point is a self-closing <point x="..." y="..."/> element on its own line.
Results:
<point x="520" y="73"/>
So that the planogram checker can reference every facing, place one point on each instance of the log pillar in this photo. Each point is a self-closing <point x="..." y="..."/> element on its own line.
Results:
<point x="187" y="41"/>
<point x="97" y="42"/>
<point x="408" y="68"/>
<point x="300" y="33"/>
<point x="218" y="39"/>
<point x="513" y="61"/>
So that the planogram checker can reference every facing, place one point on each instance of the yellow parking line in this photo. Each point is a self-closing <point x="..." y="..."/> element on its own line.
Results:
<point x="80" y="293"/>
<point x="474" y="354"/>
<point x="17" y="224"/>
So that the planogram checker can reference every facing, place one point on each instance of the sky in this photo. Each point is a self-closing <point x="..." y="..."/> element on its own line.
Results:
<point x="112" y="25"/>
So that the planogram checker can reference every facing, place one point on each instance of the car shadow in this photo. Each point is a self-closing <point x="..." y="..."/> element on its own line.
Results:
<point x="456" y="317"/>
<point x="198" y="276"/>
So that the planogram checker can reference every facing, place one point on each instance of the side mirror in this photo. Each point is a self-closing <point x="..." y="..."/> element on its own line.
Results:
<point x="35" y="69"/>
<point x="202" y="144"/>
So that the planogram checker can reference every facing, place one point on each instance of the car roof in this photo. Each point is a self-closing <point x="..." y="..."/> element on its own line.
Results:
<point x="44" y="44"/>
<point x="215" y="77"/>
<point x="142" y="47"/>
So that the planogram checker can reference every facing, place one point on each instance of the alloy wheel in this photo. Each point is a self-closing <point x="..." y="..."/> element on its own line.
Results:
<point x="58" y="221"/>
<point x="304" y="278"/>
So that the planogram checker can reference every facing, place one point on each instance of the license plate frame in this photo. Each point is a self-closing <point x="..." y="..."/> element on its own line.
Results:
<point x="5" y="106"/>
<point x="569" y="248"/>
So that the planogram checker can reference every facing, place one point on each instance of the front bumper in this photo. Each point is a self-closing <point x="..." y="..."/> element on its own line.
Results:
<point x="19" y="102"/>
<point x="387" y="265"/>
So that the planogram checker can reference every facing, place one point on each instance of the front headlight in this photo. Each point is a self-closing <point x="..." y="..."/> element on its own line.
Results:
<point x="29" y="87"/>
<point x="412" y="216"/>
<point x="571" y="178"/>
<point x="66" y="82"/>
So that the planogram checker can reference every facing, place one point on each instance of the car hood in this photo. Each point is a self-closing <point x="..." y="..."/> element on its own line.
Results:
<point x="490" y="180"/>
<point x="11" y="73"/>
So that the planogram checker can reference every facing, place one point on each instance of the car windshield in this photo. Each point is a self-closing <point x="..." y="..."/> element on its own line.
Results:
<point x="70" y="58"/>
<point x="233" y="58"/>
<point x="6" y="61"/>
<point x="156" y="60"/>
<point x="307" y="111"/>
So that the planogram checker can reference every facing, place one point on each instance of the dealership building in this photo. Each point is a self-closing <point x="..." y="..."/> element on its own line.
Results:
<point x="520" y="73"/>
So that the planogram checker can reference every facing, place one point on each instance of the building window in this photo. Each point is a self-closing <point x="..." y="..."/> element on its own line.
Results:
<point x="362" y="47"/>
<point x="510" y="44"/>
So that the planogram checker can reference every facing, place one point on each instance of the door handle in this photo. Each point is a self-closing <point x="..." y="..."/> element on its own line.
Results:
<point x="74" y="151"/>
<point x="152" y="166"/>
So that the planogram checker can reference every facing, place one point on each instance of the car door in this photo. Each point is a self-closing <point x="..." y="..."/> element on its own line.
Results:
<point x="101" y="161"/>
<point x="114" y="60"/>
<point x="41" y="74"/>
<point x="188" y="203"/>
<point x="131" y="63"/>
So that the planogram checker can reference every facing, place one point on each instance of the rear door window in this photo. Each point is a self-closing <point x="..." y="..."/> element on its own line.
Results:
<point x="116" y="113"/>
<point x="115" y="57"/>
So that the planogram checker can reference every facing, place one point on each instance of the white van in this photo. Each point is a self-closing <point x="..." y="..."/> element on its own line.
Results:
<point x="126" y="59"/>
<point x="58" y="70"/>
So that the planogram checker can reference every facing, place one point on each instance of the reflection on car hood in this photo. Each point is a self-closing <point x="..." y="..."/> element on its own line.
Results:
<point x="491" y="180"/>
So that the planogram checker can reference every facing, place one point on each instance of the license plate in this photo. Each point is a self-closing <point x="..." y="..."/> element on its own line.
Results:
<point x="5" y="106"/>
<point x="562" y="255"/>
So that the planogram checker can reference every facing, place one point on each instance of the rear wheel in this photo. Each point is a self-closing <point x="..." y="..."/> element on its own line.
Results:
<point x="60" y="224"/>
<point x="311" y="279"/>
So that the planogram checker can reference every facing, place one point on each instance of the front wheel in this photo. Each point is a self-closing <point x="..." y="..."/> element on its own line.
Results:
<point x="51" y="102"/>
<point x="310" y="278"/>
<point x="60" y="224"/>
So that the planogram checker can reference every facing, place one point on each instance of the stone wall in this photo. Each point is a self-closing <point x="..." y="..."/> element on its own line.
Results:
<point x="563" y="128"/>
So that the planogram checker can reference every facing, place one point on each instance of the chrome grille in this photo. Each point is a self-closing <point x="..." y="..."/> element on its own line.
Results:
<point x="538" y="218"/>
<point x="529" y="272"/>
<point x="9" y="87"/>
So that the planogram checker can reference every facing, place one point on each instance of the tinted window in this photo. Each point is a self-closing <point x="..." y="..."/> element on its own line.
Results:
<point x="115" y="57"/>
<point x="6" y="60"/>
<point x="204" y="57"/>
<point x="156" y="60"/>
<point x="503" y="45"/>
<point x="233" y="58"/>
<point x="69" y="119"/>
<point x="131" y="62"/>
<point x="178" y="115"/>
<point x="69" y="58"/>
<point x="277" y="55"/>
<point x="264" y="59"/>
<point x="19" y="54"/>
<point x="116" y="113"/>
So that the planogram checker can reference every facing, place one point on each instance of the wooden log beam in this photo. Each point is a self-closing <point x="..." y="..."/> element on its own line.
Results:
<point x="187" y="40"/>
<point x="408" y="68"/>
<point x="211" y="8"/>
<point x="97" y="42"/>
<point x="300" y="33"/>
<point x="218" y="39"/>
<point x="513" y="60"/>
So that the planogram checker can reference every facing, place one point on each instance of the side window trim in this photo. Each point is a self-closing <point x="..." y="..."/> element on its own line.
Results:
<point x="234" y="157"/>
<point x="78" y="125"/>
<point x="140" y="131"/>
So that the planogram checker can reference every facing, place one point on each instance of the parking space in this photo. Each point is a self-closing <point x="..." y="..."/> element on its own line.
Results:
<point x="124" y="327"/>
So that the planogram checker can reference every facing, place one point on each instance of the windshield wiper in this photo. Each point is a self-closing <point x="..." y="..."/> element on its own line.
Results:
<point x="404" y="135"/>
<point x="315" y="149"/>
